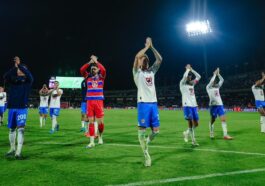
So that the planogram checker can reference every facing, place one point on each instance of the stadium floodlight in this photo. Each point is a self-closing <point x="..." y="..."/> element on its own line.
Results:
<point x="197" y="28"/>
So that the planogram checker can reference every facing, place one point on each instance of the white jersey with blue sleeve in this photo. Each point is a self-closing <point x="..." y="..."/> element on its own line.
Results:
<point x="258" y="92"/>
<point x="213" y="91"/>
<point x="2" y="99"/>
<point x="145" y="83"/>
<point x="187" y="90"/>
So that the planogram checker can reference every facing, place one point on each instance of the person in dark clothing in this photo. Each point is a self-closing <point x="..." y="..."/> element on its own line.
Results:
<point x="19" y="80"/>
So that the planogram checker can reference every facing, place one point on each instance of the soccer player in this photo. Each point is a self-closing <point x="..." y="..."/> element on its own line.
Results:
<point x="55" y="105"/>
<point x="216" y="104"/>
<point x="20" y="81"/>
<point x="189" y="103"/>
<point x="258" y="91"/>
<point x="144" y="78"/>
<point x="43" y="108"/>
<point x="95" y="78"/>
<point x="2" y="104"/>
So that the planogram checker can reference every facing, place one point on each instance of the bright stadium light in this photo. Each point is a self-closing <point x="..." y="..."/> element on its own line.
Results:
<point x="197" y="28"/>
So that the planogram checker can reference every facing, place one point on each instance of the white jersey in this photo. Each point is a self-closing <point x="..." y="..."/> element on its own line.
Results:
<point x="213" y="92"/>
<point x="187" y="91"/>
<point x="44" y="101"/>
<point x="2" y="99"/>
<point x="145" y="82"/>
<point x="55" y="102"/>
<point x="258" y="92"/>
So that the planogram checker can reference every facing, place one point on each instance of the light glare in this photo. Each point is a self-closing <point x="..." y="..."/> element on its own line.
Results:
<point x="198" y="28"/>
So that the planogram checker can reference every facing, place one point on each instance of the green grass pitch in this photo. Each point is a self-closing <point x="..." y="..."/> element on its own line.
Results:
<point x="62" y="159"/>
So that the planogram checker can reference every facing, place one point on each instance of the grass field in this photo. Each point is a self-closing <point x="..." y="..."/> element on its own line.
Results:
<point x="62" y="159"/>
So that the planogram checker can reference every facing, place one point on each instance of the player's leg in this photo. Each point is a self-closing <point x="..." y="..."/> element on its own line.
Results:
<point x="91" y="126"/>
<point x="261" y="110"/>
<point x="144" y="119"/>
<point x="54" y="112"/>
<point x="83" y="117"/>
<point x="99" y="113"/>
<point x="41" y="116"/>
<point x="213" y="116"/>
<point x="45" y="113"/>
<point x="187" y="116"/>
<point x="91" y="130"/>
<point x="21" y="122"/>
<point x="221" y="113"/>
<point x="195" y="124"/>
<point x="155" y="123"/>
<point x="1" y="115"/>
<point x="12" y="132"/>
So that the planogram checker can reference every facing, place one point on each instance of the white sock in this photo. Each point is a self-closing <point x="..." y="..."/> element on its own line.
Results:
<point x="188" y="131"/>
<point x="211" y="127"/>
<point x="152" y="136"/>
<point x="192" y="134"/>
<point x="142" y="140"/>
<point x="82" y="124"/>
<point x="263" y="124"/>
<point x="54" y="122"/>
<point x="12" y="139"/>
<point x="224" y="126"/>
<point x="86" y="127"/>
<point x="92" y="139"/>
<point x="44" y="121"/>
<point x="41" y="118"/>
<point x="96" y="128"/>
<point x="20" y="140"/>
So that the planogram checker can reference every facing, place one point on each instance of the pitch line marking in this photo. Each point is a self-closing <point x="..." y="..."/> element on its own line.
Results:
<point x="178" y="179"/>
<point x="163" y="147"/>
<point x="195" y="149"/>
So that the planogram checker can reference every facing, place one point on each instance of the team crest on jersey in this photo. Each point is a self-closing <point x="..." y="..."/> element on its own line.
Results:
<point x="94" y="84"/>
<point x="148" y="81"/>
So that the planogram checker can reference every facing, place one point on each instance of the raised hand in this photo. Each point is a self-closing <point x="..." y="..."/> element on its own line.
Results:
<point x="188" y="67"/>
<point x="148" y="42"/>
<point x="94" y="58"/>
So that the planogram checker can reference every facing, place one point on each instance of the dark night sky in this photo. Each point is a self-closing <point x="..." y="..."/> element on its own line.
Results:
<point x="56" y="38"/>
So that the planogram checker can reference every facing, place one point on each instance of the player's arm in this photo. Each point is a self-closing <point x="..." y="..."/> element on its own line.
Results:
<point x="40" y="92"/>
<point x="261" y="81"/>
<point x="185" y="76"/>
<point x="11" y="73"/>
<point x="83" y="69"/>
<point x="221" y="80"/>
<point x="59" y="92"/>
<point x="102" y="69"/>
<point x="158" y="57"/>
<point x="197" y="77"/>
<point x="210" y="84"/>
<point x="140" y="54"/>
<point x="26" y="72"/>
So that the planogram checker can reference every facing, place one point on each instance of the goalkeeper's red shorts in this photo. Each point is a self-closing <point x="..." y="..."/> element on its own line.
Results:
<point x="95" y="108"/>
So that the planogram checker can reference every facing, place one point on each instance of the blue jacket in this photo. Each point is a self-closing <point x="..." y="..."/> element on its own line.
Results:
<point x="19" y="87"/>
<point x="84" y="90"/>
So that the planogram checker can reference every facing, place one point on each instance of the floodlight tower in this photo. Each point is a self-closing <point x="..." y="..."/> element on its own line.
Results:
<point x="200" y="29"/>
